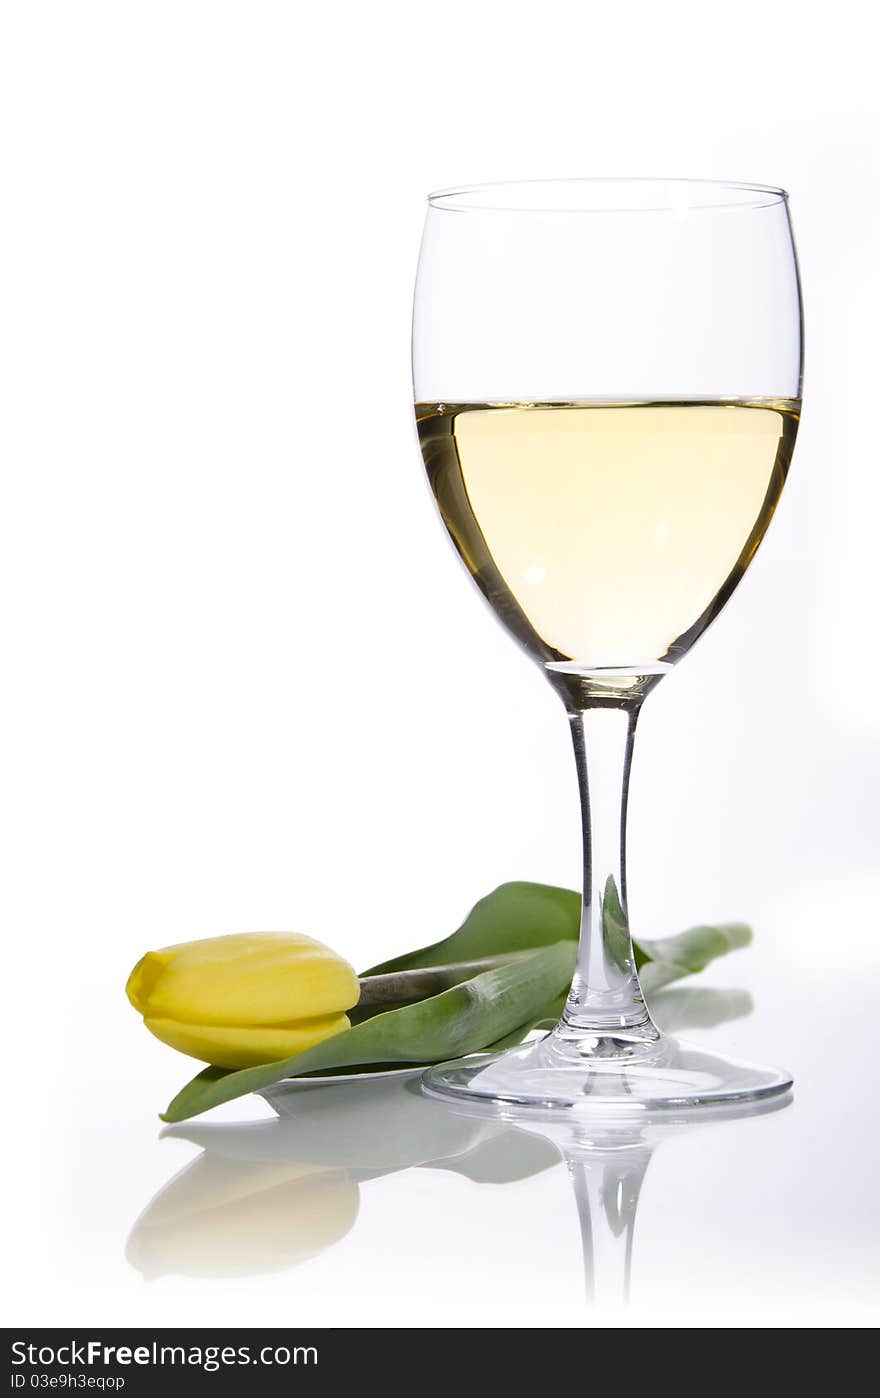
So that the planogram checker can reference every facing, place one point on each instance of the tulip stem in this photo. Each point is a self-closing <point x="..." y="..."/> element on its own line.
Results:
<point x="406" y="987"/>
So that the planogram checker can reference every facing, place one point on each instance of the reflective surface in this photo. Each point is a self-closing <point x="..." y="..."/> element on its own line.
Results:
<point x="370" y="1203"/>
<point x="272" y="1195"/>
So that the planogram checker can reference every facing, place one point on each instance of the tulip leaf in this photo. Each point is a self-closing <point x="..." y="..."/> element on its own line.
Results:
<point x="459" y="1021"/>
<point x="615" y="925"/>
<point x="514" y="917"/>
<point x="660" y="962"/>
<point x="526" y="934"/>
<point x="670" y="958"/>
<point x="520" y="916"/>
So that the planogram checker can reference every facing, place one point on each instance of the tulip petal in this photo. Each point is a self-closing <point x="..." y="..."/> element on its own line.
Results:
<point x="143" y="979"/>
<point x="250" y="978"/>
<point x="237" y="1046"/>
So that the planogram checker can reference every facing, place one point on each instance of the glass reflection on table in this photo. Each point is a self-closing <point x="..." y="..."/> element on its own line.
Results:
<point x="266" y="1196"/>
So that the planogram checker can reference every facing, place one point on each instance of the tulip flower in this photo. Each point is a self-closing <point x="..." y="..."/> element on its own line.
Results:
<point x="251" y="998"/>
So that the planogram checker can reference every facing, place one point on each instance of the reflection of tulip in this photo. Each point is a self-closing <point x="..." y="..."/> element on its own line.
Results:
<point x="221" y="1218"/>
<point x="266" y="1195"/>
<point x="241" y="1000"/>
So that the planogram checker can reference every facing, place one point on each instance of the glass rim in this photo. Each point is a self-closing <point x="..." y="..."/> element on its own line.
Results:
<point x="536" y="196"/>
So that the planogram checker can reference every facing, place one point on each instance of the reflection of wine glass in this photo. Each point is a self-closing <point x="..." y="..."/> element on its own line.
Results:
<point x="607" y="377"/>
<point x="608" y="1157"/>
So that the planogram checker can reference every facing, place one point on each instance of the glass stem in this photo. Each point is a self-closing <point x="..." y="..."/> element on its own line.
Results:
<point x="606" y="1008"/>
<point x="606" y="1189"/>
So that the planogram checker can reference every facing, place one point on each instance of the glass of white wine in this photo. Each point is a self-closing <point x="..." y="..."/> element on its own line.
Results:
<point x="607" y="378"/>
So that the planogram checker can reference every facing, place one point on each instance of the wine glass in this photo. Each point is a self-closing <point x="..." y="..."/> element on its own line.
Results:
<point x="607" y="378"/>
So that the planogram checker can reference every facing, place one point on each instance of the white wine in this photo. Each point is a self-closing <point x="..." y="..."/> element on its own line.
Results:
<point x="607" y="536"/>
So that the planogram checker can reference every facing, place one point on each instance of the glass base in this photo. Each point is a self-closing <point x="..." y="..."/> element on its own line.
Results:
<point x="605" y="1077"/>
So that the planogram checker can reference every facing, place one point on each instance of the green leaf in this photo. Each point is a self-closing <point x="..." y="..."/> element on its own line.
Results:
<point x="547" y="1017"/>
<point x="519" y="916"/>
<point x="615" y="926"/>
<point x="515" y="917"/>
<point x="481" y="1011"/>
<point x="669" y="958"/>
<point x="496" y="1008"/>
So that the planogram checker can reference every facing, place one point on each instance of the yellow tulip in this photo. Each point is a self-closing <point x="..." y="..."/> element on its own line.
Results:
<point x="255" y="997"/>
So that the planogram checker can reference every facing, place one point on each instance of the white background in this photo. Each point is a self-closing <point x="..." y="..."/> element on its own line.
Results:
<point x="246" y="684"/>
